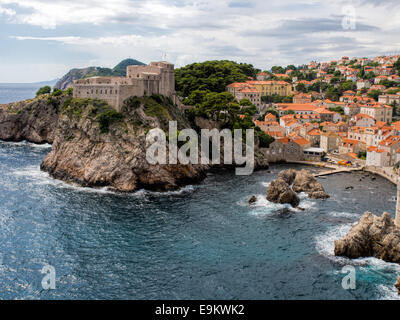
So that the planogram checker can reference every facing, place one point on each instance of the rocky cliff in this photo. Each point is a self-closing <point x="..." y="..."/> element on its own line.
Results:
<point x="33" y="120"/>
<point x="94" y="145"/>
<point x="97" y="146"/>
<point x="372" y="236"/>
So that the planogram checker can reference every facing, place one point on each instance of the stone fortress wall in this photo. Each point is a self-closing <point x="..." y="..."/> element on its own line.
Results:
<point x="155" y="78"/>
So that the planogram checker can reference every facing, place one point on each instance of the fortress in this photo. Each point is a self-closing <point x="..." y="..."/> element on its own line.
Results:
<point x="155" y="78"/>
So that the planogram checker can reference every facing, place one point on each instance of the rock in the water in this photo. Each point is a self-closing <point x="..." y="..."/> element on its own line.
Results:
<point x="279" y="192"/>
<point x="372" y="236"/>
<point x="306" y="182"/>
<point x="349" y="188"/>
<point x="288" y="175"/>
<point x="397" y="285"/>
<point x="252" y="200"/>
<point x="318" y="195"/>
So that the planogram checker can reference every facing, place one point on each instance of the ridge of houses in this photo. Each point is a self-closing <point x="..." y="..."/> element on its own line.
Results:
<point x="359" y="124"/>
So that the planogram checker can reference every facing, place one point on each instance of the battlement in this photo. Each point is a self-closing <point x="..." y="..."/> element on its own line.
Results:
<point x="155" y="78"/>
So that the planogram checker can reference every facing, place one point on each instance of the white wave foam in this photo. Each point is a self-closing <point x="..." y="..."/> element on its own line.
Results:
<point x="343" y="214"/>
<point x="38" y="177"/>
<point x="325" y="242"/>
<point x="388" y="293"/>
<point x="26" y="143"/>
<point x="325" y="246"/>
<point x="183" y="190"/>
<point x="262" y="206"/>
<point x="265" y="184"/>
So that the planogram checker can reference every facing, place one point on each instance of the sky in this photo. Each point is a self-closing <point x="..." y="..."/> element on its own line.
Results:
<point x="41" y="40"/>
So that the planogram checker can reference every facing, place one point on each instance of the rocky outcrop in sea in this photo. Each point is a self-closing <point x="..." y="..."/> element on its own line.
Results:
<point x="372" y="236"/>
<point x="290" y="182"/>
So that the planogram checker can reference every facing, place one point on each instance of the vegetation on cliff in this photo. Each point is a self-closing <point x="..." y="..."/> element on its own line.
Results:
<point x="97" y="146"/>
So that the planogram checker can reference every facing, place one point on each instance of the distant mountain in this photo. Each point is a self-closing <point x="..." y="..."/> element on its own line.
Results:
<point x="30" y="84"/>
<point x="46" y="83"/>
<point x="118" y="71"/>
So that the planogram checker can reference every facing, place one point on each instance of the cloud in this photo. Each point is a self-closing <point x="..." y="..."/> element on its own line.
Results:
<point x="238" y="4"/>
<point x="50" y="14"/>
<point x="260" y="32"/>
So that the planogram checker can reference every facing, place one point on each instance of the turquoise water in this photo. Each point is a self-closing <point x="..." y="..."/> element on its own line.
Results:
<point x="203" y="242"/>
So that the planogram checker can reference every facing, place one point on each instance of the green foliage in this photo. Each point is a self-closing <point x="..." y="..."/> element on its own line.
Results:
<point x="120" y="69"/>
<point x="218" y="106"/>
<point x="43" y="90"/>
<point x="301" y="87"/>
<point x="277" y="69"/>
<point x="362" y="155"/>
<point x="332" y="93"/>
<point x="337" y="109"/>
<point x="245" y="102"/>
<point x="276" y="98"/>
<point x="337" y="73"/>
<point x="388" y="83"/>
<point x="264" y="140"/>
<point x="196" y="97"/>
<point x="290" y="112"/>
<point x="211" y="76"/>
<point x="374" y="94"/>
<point x="396" y="65"/>
<point x="107" y="118"/>
<point x="156" y="109"/>
<point x="57" y="92"/>
<point x="132" y="103"/>
<point x="69" y="92"/>
<point x="75" y="106"/>
<point x="393" y="91"/>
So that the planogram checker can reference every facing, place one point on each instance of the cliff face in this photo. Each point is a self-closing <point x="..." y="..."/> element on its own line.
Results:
<point x="97" y="146"/>
<point x="33" y="120"/>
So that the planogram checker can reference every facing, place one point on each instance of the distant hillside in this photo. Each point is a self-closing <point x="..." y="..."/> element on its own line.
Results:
<point x="118" y="71"/>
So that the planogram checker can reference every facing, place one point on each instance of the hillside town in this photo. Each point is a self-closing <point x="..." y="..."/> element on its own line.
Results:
<point x="345" y="108"/>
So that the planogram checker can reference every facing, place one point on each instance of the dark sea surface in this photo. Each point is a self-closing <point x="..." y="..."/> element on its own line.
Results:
<point x="12" y="92"/>
<point x="203" y="242"/>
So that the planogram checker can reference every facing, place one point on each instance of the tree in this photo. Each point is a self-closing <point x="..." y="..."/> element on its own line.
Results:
<point x="337" y="109"/>
<point x="337" y="73"/>
<point x="374" y="94"/>
<point x="362" y="155"/>
<point x="277" y="69"/>
<point x="211" y="76"/>
<point x="245" y="103"/>
<point x="301" y="87"/>
<point x="43" y="90"/>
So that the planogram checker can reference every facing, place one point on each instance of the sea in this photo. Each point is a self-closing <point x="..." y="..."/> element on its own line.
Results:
<point x="201" y="242"/>
<point x="11" y="92"/>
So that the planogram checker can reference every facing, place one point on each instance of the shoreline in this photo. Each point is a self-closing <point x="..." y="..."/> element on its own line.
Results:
<point x="392" y="177"/>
